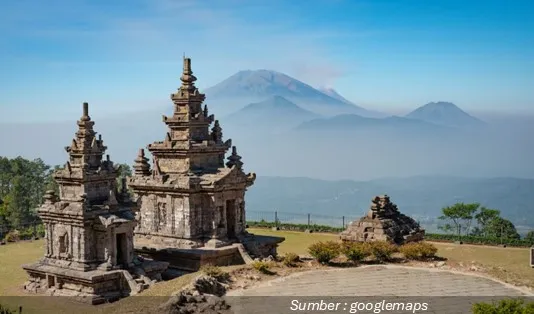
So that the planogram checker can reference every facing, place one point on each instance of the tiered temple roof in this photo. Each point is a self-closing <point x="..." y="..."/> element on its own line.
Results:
<point x="87" y="182"/>
<point x="191" y="154"/>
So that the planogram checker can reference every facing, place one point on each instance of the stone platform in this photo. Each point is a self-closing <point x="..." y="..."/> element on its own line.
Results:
<point x="193" y="259"/>
<point x="243" y="251"/>
<point x="93" y="287"/>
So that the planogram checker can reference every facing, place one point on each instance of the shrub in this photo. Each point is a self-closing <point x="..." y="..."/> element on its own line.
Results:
<point x="382" y="250"/>
<point x="262" y="267"/>
<point x="324" y="252"/>
<point x="291" y="259"/>
<point x="13" y="236"/>
<point x="418" y="251"/>
<point x="507" y="306"/>
<point x="215" y="272"/>
<point x="356" y="251"/>
<point x="4" y="310"/>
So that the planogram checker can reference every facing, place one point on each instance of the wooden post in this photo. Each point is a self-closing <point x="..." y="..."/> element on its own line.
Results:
<point x="343" y="222"/>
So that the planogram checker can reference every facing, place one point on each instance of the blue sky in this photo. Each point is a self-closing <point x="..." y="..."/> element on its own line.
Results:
<point x="387" y="55"/>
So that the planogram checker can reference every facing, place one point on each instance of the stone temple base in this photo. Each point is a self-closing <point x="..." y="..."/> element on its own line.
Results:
<point x="259" y="246"/>
<point x="163" y="242"/>
<point x="93" y="287"/>
<point x="194" y="259"/>
<point x="213" y="252"/>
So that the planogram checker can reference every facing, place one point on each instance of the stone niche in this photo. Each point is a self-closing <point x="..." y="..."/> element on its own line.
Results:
<point x="384" y="222"/>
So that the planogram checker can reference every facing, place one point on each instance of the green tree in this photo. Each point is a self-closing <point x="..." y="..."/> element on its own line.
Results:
<point x="529" y="237"/>
<point x="124" y="171"/>
<point x="22" y="185"/>
<point x="50" y="183"/>
<point x="502" y="228"/>
<point x="483" y="218"/>
<point x="458" y="216"/>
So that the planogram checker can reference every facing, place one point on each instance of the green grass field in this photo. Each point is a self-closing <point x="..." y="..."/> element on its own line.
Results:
<point x="508" y="264"/>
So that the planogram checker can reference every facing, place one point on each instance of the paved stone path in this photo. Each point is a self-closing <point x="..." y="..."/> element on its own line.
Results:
<point x="445" y="292"/>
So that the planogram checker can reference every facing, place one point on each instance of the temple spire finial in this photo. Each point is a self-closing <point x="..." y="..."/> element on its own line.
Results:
<point x="188" y="79"/>
<point x="234" y="159"/>
<point x="85" y="113"/>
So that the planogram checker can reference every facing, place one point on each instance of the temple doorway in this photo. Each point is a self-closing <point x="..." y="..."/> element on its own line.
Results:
<point x="121" y="246"/>
<point x="230" y="218"/>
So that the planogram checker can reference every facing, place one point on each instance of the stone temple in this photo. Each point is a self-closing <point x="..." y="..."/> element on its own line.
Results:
<point x="190" y="197"/>
<point x="89" y="229"/>
<point x="384" y="222"/>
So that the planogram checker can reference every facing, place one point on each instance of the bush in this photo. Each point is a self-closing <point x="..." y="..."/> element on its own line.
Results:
<point x="324" y="252"/>
<point x="13" y="236"/>
<point x="356" y="251"/>
<point x="4" y="310"/>
<point x="418" y="251"/>
<point x="291" y="259"/>
<point x="262" y="267"/>
<point x="382" y="250"/>
<point x="215" y="272"/>
<point x="507" y="306"/>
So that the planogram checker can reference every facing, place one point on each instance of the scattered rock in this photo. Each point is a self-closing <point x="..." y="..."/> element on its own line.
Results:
<point x="253" y="277"/>
<point x="440" y="264"/>
<point x="2" y="242"/>
<point x="204" y="295"/>
<point x="186" y="302"/>
<point x="473" y="268"/>
<point x="308" y="231"/>
<point x="275" y="228"/>
<point x="269" y="258"/>
<point x="209" y="285"/>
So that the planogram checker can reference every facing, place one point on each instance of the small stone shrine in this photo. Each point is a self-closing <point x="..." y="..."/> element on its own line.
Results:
<point x="190" y="198"/>
<point x="89" y="229"/>
<point x="384" y="222"/>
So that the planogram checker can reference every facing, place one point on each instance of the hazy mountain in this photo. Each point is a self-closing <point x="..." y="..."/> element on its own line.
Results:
<point x="421" y="197"/>
<point x="444" y="113"/>
<point x="351" y="122"/>
<point x="247" y="87"/>
<point x="274" y="114"/>
<point x="334" y="94"/>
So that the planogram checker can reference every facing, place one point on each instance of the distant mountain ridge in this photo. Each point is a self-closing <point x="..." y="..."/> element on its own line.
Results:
<point x="275" y="112"/>
<point x="252" y="86"/>
<point x="349" y="122"/>
<point x="444" y="113"/>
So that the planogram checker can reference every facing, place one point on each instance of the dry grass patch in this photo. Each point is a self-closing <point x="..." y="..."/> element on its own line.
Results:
<point x="508" y="264"/>
<point x="296" y="242"/>
<point x="12" y="256"/>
